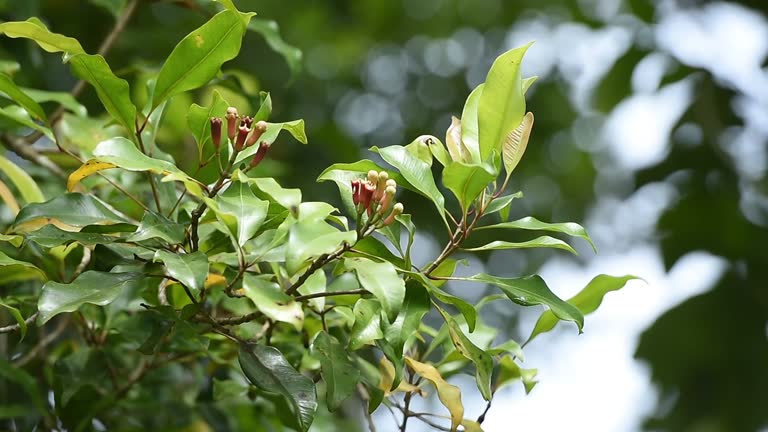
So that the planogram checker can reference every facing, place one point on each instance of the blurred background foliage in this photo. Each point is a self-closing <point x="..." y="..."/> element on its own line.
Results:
<point x="646" y="129"/>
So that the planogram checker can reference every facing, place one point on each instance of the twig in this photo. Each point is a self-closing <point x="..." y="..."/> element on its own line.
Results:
<point x="42" y="343"/>
<point x="316" y="265"/>
<point x="365" y="398"/>
<point x="25" y="151"/>
<point x="331" y="294"/>
<point x="83" y="263"/>
<point x="421" y="416"/>
<point x="16" y="327"/>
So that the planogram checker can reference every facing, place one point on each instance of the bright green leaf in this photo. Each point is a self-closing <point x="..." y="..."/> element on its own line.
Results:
<point x="199" y="120"/>
<point x="113" y="92"/>
<point x="515" y="144"/>
<point x="19" y="96"/>
<point x="531" y="223"/>
<point x="367" y="327"/>
<point x="381" y="280"/>
<point x="469" y="127"/>
<point x="51" y="42"/>
<point x="295" y="128"/>
<point x="539" y="242"/>
<point x="509" y="372"/>
<point x="249" y="212"/>
<point x="19" y="115"/>
<point x="501" y="203"/>
<point x="467" y="182"/>
<point x="23" y="182"/>
<point x="272" y="301"/>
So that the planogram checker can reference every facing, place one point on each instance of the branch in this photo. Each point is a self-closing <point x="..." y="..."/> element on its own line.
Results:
<point x="16" y="327"/>
<point x="25" y="151"/>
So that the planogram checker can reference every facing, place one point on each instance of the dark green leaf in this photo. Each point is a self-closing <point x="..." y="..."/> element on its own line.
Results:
<point x="15" y="313"/>
<point x="266" y="368"/>
<point x="72" y="209"/>
<point x="17" y="95"/>
<point x="114" y="93"/>
<point x="154" y="225"/>
<point x="189" y="269"/>
<point x="52" y="236"/>
<point x="339" y="373"/>
<point x="271" y="33"/>
<point x="92" y="287"/>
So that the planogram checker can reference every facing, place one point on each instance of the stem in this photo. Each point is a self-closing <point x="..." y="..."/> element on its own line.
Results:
<point x="16" y="327"/>
<point x="331" y="294"/>
<point x="321" y="261"/>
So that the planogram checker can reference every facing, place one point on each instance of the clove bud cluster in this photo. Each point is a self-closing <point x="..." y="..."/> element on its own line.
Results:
<point x="241" y="132"/>
<point x="375" y="196"/>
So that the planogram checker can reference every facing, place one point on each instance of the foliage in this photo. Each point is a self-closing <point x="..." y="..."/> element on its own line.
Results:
<point x="215" y="289"/>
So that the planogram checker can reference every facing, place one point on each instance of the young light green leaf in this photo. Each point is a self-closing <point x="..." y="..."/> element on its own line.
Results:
<point x="313" y="237"/>
<point x="340" y="374"/>
<point x="249" y="211"/>
<point x="272" y="301"/>
<point x="198" y="57"/>
<point x="381" y="280"/>
<point x="501" y="203"/>
<point x="531" y="223"/>
<point x="417" y="172"/>
<point x="19" y="96"/>
<point x="587" y="300"/>
<point x="19" y="115"/>
<point x="516" y="143"/>
<point x="16" y="314"/>
<point x="316" y="283"/>
<point x="71" y="209"/>
<point x="64" y="99"/>
<point x="539" y="242"/>
<point x="532" y="290"/>
<point x="23" y="182"/>
<point x="271" y="33"/>
<point x="33" y="29"/>
<point x="154" y="225"/>
<point x="509" y="372"/>
<point x="483" y="362"/>
<point x="502" y="105"/>
<point x="467" y="182"/>
<point x="189" y="269"/>
<point x="528" y="82"/>
<point x="199" y="120"/>
<point x="449" y="395"/>
<point x="113" y="92"/>
<point x="266" y="368"/>
<point x="367" y="327"/>
<point x="469" y="127"/>
<point x="287" y="198"/>
<point x="92" y="287"/>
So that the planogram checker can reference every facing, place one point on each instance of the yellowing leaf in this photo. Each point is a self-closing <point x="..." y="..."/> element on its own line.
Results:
<point x="90" y="167"/>
<point x="214" y="279"/>
<point x="515" y="144"/>
<point x="449" y="395"/>
<point x="387" y="372"/>
<point x="7" y="196"/>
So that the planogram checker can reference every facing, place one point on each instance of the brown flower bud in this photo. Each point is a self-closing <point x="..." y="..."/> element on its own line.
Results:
<point x="231" y="122"/>
<point x="396" y="211"/>
<point x="260" y="153"/>
<point x="216" y="132"/>
<point x="258" y="130"/>
<point x="242" y="132"/>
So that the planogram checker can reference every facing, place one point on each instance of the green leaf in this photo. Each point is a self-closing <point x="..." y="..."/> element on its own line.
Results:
<point x="199" y="56"/>
<point x="501" y="203"/>
<point x="516" y="143"/>
<point x="340" y="374"/>
<point x="502" y="105"/>
<point x="587" y="300"/>
<point x="248" y="211"/>
<point x="113" y="92"/>
<point x="272" y="301"/>
<point x="449" y="395"/>
<point x="52" y="236"/>
<point x="482" y="360"/>
<point x="531" y="223"/>
<point x="14" y="240"/>
<point x="295" y="128"/>
<point x="16" y="314"/>
<point x="315" y="283"/>
<point x="92" y="287"/>
<point x="11" y="373"/>
<point x="417" y="172"/>
<point x="311" y="238"/>
<point x="469" y="127"/>
<point x="189" y="269"/>
<point x="17" y="95"/>
<point x="64" y="99"/>
<point x="266" y="368"/>
<point x="71" y="209"/>
<point x="271" y="33"/>
<point x="199" y="120"/>
<point x="510" y="372"/>
<point x="33" y="29"/>
<point x="532" y="290"/>
<point x="539" y="242"/>
<point x="367" y="327"/>
<point x="23" y="182"/>
<point x="528" y="82"/>
<point x="154" y="225"/>
<point x="289" y="199"/>
<point x="19" y="115"/>
<point x="265" y="109"/>
<point x="381" y="280"/>
<point x="114" y="7"/>
<point x="467" y="182"/>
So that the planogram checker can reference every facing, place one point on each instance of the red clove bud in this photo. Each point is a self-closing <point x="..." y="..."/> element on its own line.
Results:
<point x="216" y="132"/>
<point x="258" y="130"/>
<point x="231" y="123"/>
<point x="246" y="120"/>
<point x="260" y="153"/>
<point x="366" y="193"/>
<point x="356" y="191"/>
<point x="241" y="134"/>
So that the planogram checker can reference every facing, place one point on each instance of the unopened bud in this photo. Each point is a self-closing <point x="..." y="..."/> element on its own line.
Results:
<point x="242" y="132"/>
<point x="246" y="120"/>
<point x="366" y="193"/>
<point x="356" y="191"/>
<point x="381" y="185"/>
<point x="391" y="182"/>
<point x="216" y="132"/>
<point x="260" y="153"/>
<point x="397" y="210"/>
<point x="231" y="122"/>
<point x="386" y="200"/>
<point x="258" y="130"/>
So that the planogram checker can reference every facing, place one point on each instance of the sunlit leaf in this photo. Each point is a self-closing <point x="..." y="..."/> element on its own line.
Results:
<point x="502" y="203"/>
<point x="367" y="328"/>
<point x="272" y="301"/>
<point x="71" y="209"/>
<point x="295" y="128"/>
<point x="531" y="223"/>
<point x="516" y="143"/>
<point x="266" y="368"/>
<point x="509" y="372"/>
<point x="587" y="300"/>
<point x="113" y="92"/>
<point x="539" y="242"/>
<point x="20" y="116"/>
<point x="381" y="280"/>
<point x="469" y="127"/>
<point x="249" y="212"/>
<point x="199" y="120"/>
<point x="12" y="91"/>
<point x="199" y="56"/>
<point x="467" y="182"/>
<point x="32" y="29"/>
<point x="23" y="182"/>
<point x="189" y="269"/>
